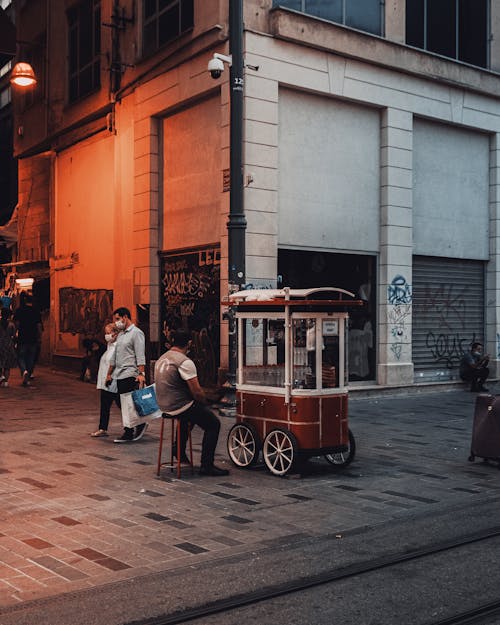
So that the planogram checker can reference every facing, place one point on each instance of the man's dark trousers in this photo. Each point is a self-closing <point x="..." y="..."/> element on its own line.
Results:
<point x="200" y="415"/>
<point x="476" y="377"/>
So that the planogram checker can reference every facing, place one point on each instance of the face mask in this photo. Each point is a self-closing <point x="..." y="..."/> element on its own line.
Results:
<point x="109" y="337"/>
<point x="120" y="324"/>
<point x="476" y="353"/>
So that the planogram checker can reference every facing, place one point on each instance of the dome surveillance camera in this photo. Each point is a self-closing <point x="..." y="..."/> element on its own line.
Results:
<point x="215" y="67"/>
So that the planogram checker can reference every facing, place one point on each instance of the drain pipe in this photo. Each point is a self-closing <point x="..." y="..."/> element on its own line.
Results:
<point x="236" y="225"/>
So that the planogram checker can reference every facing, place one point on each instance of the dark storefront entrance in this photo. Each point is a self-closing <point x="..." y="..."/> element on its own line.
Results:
<point x="191" y="300"/>
<point x="302" y="269"/>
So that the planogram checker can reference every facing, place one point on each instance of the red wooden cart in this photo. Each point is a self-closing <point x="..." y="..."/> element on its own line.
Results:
<point x="291" y="385"/>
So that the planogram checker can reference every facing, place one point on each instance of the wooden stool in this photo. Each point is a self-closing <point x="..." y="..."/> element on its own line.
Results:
<point x="175" y="427"/>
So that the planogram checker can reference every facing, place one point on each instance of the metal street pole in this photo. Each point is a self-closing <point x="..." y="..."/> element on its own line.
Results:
<point x="236" y="225"/>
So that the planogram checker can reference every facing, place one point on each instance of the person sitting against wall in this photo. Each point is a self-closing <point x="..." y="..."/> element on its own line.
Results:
<point x="474" y="368"/>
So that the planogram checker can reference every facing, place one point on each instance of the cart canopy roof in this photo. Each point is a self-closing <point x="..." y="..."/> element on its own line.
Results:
<point x="269" y="295"/>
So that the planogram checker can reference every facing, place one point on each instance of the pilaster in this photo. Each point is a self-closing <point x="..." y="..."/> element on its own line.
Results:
<point x="395" y="269"/>
<point x="493" y="266"/>
<point x="146" y="220"/>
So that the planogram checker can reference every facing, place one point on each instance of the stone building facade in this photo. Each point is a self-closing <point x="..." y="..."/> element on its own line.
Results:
<point x="371" y="162"/>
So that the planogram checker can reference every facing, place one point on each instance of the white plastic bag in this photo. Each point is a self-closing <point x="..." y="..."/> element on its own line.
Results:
<point x="130" y="417"/>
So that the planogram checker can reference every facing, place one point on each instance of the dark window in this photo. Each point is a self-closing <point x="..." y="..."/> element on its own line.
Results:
<point x="84" y="49"/>
<point x="164" y="21"/>
<point x="454" y="28"/>
<point x="441" y="21"/>
<point x="415" y="31"/>
<point x="473" y="32"/>
<point x="301" y="269"/>
<point x="361" y="14"/>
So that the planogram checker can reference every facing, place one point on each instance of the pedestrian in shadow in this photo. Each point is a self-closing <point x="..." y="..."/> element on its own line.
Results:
<point x="8" y="356"/>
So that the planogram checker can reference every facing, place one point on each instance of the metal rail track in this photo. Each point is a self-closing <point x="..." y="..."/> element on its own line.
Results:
<point x="298" y="585"/>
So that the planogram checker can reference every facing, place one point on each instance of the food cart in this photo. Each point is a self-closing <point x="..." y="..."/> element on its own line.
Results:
<point x="291" y="384"/>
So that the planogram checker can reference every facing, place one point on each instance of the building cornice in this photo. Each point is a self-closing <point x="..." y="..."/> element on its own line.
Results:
<point x="324" y="35"/>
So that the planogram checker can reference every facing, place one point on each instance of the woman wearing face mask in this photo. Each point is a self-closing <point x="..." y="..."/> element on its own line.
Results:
<point x="109" y="389"/>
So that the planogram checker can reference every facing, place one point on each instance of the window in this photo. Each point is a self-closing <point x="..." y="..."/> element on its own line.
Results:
<point x="454" y="28"/>
<point x="84" y="26"/>
<point x="361" y="14"/>
<point x="5" y="97"/>
<point x="164" y="21"/>
<point x="264" y="352"/>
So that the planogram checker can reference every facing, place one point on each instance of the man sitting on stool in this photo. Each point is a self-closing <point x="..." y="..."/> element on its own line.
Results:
<point x="474" y="368"/>
<point x="180" y="395"/>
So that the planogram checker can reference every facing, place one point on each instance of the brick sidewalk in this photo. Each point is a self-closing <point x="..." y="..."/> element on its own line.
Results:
<point x="79" y="512"/>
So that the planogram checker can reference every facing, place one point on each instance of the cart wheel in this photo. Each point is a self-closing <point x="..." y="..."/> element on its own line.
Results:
<point x="343" y="458"/>
<point x="243" y="445"/>
<point x="280" y="451"/>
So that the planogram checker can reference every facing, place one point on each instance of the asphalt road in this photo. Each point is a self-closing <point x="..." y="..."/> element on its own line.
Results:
<point x="420" y="592"/>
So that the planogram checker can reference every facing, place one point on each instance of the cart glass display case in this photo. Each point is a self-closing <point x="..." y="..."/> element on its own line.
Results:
<point x="291" y="377"/>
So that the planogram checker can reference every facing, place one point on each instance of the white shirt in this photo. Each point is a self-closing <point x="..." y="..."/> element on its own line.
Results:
<point x="103" y="370"/>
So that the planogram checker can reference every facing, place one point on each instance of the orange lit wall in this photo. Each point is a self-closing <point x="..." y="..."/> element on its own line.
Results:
<point x="33" y="220"/>
<point x="192" y="176"/>
<point x="84" y="224"/>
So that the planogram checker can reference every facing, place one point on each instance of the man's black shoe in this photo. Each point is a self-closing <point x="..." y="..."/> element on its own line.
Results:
<point x="126" y="437"/>
<point x="214" y="471"/>
<point x="139" y="431"/>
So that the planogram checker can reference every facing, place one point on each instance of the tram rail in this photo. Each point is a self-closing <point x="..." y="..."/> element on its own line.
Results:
<point x="470" y="617"/>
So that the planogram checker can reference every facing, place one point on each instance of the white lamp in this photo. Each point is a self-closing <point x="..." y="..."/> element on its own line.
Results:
<point x="23" y="75"/>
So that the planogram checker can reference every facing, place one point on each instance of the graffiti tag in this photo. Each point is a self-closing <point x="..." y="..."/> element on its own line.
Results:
<point x="448" y="348"/>
<point x="445" y="301"/>
<point x="399" y="291"/>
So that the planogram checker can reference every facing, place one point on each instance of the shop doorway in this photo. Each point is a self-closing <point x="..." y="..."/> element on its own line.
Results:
<point x="301" y="269"/>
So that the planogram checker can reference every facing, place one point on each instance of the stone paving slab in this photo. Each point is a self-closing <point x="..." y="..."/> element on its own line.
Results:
<point x="79" y="512"/>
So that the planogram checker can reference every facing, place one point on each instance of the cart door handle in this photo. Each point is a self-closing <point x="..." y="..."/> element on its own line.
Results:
<point x="262" y="403"/>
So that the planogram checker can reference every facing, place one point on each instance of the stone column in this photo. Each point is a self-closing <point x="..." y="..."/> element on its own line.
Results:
<point x="493" y="266"/>
<point x="495" y="36"/>
<point x="395" y="364"/>
<point x="395" y="20"/>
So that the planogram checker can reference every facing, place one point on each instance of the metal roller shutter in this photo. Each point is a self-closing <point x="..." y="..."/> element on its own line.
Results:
<point x="448" y="314"/>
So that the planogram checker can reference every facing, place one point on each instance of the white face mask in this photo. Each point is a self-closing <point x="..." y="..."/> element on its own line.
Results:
<point x="120" y="324"/>
<point x="109" y="337"/>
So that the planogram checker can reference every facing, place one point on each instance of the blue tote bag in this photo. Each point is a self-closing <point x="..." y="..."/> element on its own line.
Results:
<point x="145" y="401"/>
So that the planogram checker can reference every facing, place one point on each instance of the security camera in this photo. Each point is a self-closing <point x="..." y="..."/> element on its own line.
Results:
<point x="216" y="64"/>
<point x="215" y="67"/>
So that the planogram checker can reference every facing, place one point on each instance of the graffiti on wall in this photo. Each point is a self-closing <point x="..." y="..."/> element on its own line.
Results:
<point x="399" y="291"/>
<point x="448" y="348"/>
<point x="399" y="297"/>
<point x="446" y="303"/>
<point x="191" y="300"/>
<point x="84" y="311"/>
<point x="441" y="315"/>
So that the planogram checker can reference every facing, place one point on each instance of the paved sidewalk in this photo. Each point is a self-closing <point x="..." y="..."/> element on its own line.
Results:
<point x="79" y="512"/>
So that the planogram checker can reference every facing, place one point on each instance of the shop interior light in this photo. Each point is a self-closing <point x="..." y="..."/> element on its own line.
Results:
<point x="24" y="283"/>
<point x="23" y="75"/>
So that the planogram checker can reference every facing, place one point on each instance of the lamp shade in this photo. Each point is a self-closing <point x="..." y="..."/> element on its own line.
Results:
<point x="23" y="75"/>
